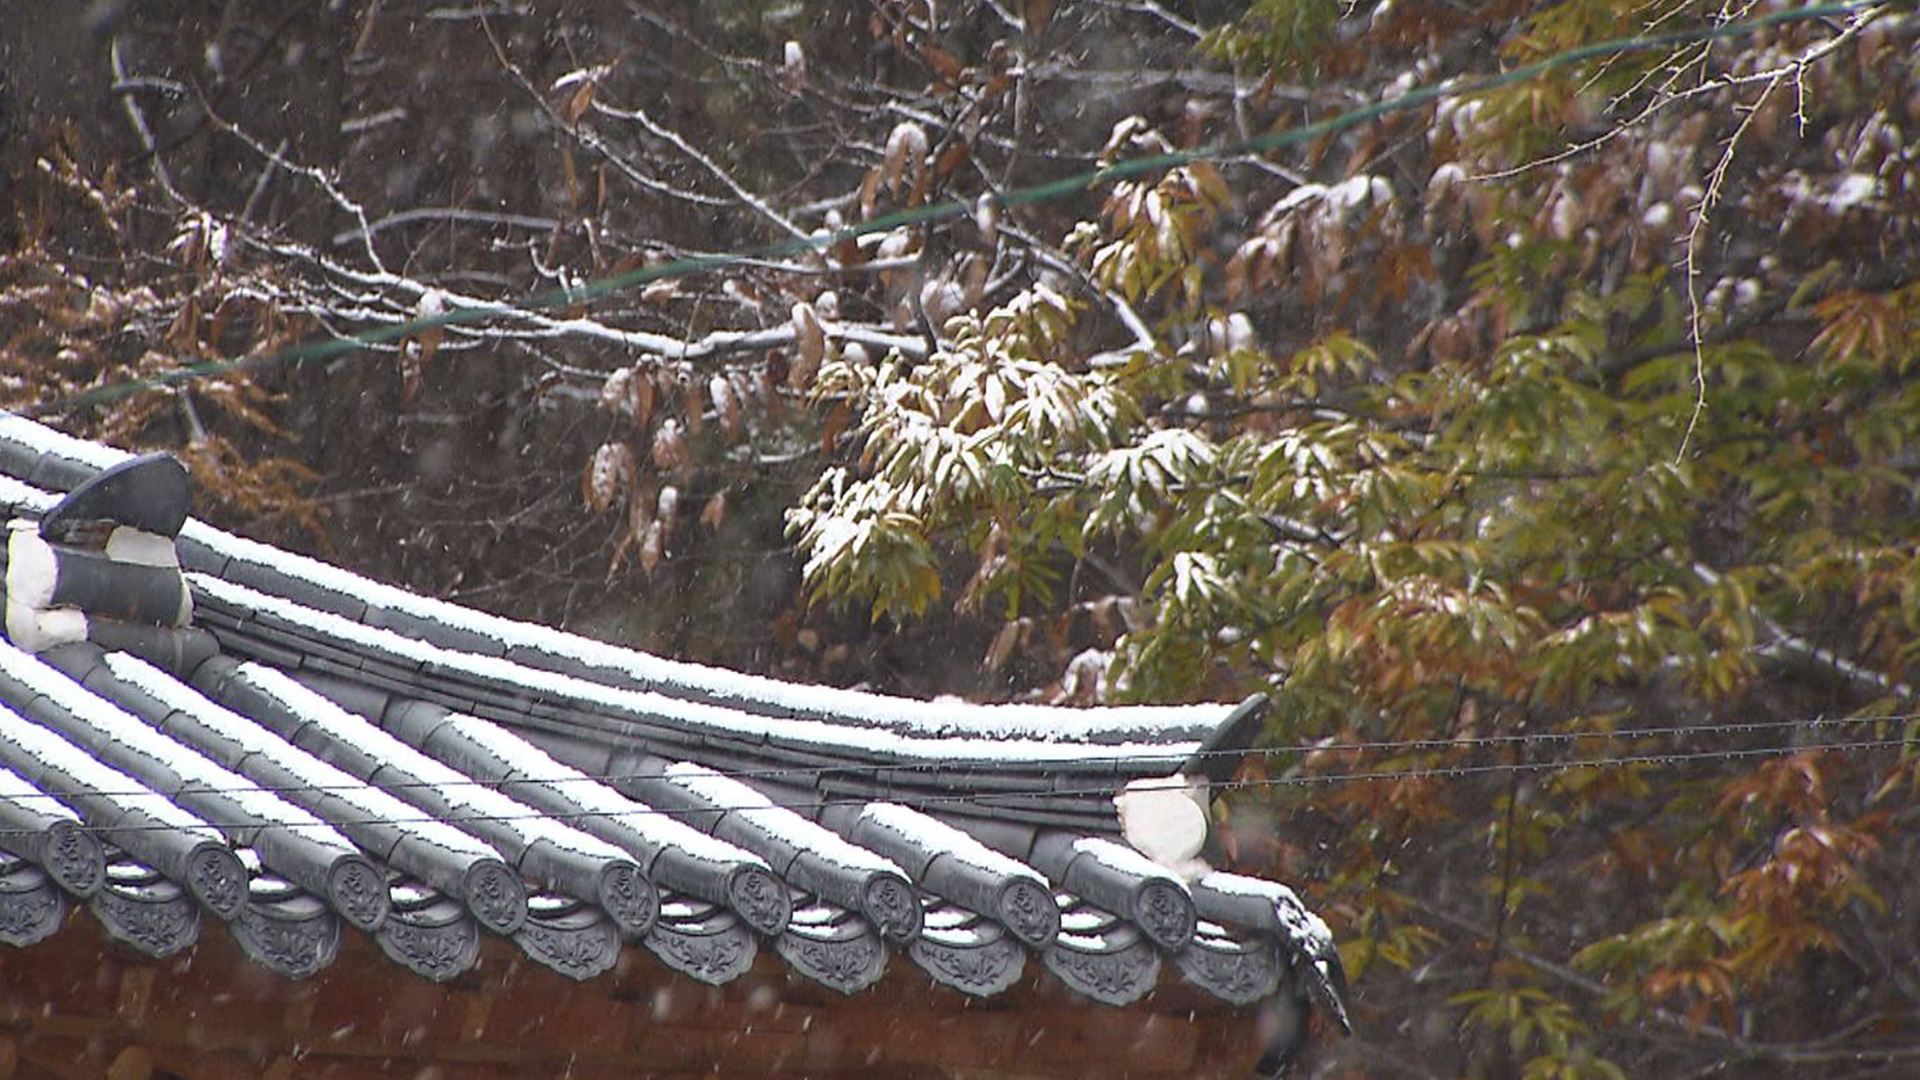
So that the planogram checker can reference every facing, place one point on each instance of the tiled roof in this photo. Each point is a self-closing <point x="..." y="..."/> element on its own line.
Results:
<point x="197" y="725"/>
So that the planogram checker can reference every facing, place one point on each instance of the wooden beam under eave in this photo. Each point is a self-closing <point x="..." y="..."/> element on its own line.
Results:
<point x="133" y="1062"/>
<point x="37" y="1062"/>
<point x="211" y="1013"/>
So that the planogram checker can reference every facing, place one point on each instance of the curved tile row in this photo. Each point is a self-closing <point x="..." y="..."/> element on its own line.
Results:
<point x="543" y="851"/>
<point x="458" y="816"/>
<point x="1048" y="783"/>
<point x="817" y="859"/>
<point x="125" y="812"/>
<point x="289" y="840"/>
<point x="289" y="929"/>
<point x="431" y="853"/>
<point x="669" y="851"/>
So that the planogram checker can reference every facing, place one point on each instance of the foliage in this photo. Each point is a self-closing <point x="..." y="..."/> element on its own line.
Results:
<point x="71" y="329"/>
<point x="1570" y="422"/>
<point x="1435" y="458"/>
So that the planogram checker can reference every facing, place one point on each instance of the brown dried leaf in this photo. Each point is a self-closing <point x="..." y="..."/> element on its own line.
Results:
<point x="922" y="184"/>
<point x="943" y="63"/>
<point x="645" y="394"/>
<point x="653" y="547"/>
<point x="417" y="352"/>
<point x="693" y="407"/>
<point x="870" y="192"/>
<point x="1210" y="184"/>
<point x="951" y="158"/>
<point x="726" y="404"/>
<point x="609" y="476"/>
<point x="835" y="425"/>
<point x="810" y="339"/>
<point x="906" y="149"/>
<point x="432" y="305"/>
<point x="616" y="391"/>
<point x="580" y="102"/>
<point x="986" y="218"/>
<point x="715" y="512"/>
<point x="773" y="376"/>
<point x="670" y="450"/>
<point x="660" y="293"/>
<point x="1106" y="621"/>
<point x="1236" y="274"/>
<point x="1037" y="14"/>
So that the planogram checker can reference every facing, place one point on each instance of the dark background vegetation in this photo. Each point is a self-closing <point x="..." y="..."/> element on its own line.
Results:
<point x="1583" y="405"/>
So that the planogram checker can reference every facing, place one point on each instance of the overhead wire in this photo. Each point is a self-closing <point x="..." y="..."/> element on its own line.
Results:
<point x="1174" y="757"/>
<point x="1013" y="799"/>
<point x="589" y="291"/>
<point x="1126" y="765"/>
<point x="1001" y="800"/>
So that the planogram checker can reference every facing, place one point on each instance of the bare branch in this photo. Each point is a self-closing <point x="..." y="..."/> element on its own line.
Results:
<point x="640" y="117"/>
<point x="456" y="214"/>
<point x="1715" y="181"/>
<point x="538" y="324"/>
<point x="586" y="136"/>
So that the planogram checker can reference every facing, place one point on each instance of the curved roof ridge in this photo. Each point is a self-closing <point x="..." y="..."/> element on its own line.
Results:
<point x="64" y="458"/>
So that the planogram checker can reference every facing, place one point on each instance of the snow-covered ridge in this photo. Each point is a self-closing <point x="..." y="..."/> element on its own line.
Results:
<point x="752" y="693"/>
<point x="692" y="715"/>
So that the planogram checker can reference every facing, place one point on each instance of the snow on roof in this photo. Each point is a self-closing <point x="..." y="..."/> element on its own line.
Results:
<point x="26" y="496"/>
<point x="935" y="835"/>
<point x="470" y="800"/>
<point x="195" y="771"/>
<point x="1120" y="857"/>
<point x="47" y="747"/>
<point x="788" y="827"/>
<point x="595" y="797"/>
<point x="701" y="705"/>
<point x="939" y="719"/>
<point x="923" y="719"/>
<point x="15" y="789"/>
<point x="693" y="715"/>
<point x="371" y="803"/>
<point x="1306" y="929"/>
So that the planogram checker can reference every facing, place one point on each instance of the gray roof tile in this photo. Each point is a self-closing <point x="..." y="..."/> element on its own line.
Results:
<point x="319" y="755"/>
<point x="32" y="904"/>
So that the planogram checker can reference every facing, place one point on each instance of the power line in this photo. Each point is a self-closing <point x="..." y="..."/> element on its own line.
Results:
<point x="1567" y="765"/>
<point x="948" y="765"/>
<point x="1009" y="800"/>
<point x="952" y="208"/>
